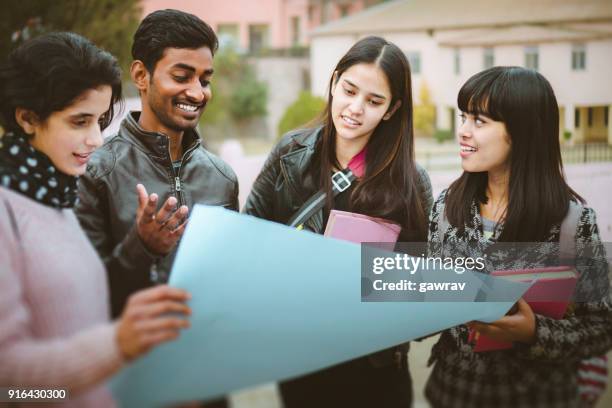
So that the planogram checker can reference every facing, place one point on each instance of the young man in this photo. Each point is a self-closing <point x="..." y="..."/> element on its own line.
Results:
<point x="159" y="149"/>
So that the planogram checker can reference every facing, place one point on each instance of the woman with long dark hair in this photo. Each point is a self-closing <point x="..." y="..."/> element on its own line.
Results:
<point x="57" y="93"/>
<point x="367" y="127"/>
<point x="509" y="205"/>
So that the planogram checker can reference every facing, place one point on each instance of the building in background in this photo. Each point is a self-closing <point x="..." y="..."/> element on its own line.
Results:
<point x="447" y="41"/>
<point x="264" y="24"/>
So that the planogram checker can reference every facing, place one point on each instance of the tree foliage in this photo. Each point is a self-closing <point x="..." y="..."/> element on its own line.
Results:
<point x="110" y="24"/>
<point x="249" y="97"/>
<point x="424" y="112"/>
<point x="237" y="94"/>
<point x="299" y="113"/>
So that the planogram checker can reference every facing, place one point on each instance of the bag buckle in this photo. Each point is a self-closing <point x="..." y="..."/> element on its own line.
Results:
<point x="340" y="181"/>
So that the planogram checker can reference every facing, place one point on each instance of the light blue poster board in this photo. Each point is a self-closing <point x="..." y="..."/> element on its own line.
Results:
<point x="271" y="303"/>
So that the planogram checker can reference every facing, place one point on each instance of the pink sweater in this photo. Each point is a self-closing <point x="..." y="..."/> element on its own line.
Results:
<point x="54" y="328"/>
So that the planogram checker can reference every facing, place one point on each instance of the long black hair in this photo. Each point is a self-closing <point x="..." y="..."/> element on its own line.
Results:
<point x="538" y="195"/>
<point x="47" y="73"/>
<point x="389" y="188"/>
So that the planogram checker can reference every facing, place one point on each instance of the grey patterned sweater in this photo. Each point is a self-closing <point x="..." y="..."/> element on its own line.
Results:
<point x="542" y="374"/>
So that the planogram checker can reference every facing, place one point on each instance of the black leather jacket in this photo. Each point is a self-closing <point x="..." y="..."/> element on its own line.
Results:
<point x="108" y="200"/>
<point x="278" y="193"/>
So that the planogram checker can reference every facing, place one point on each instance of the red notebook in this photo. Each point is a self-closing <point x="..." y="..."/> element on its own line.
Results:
<point x="549" y="296"/>
<point x="360" y="228"/>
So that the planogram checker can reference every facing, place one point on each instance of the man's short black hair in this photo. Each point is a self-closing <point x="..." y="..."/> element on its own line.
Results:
<point x="170" y="29"/>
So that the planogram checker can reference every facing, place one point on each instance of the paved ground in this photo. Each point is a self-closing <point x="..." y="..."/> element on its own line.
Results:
<point x="592" y="181"/>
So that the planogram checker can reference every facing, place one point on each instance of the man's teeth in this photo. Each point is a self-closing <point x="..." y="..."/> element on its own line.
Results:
<point x="467" y="149"/>
<point x="188" y="108"/>
<point x="351" y="121"/>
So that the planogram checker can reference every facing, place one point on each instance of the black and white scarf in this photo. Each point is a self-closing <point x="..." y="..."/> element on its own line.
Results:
<point x="30" y="172"/>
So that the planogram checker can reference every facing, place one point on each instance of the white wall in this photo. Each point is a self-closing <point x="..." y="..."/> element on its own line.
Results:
<point x="284" y="76"/>
<point x="325" y="52"/>
<point x="572" y="88"/>
<point x="592" y="86"/>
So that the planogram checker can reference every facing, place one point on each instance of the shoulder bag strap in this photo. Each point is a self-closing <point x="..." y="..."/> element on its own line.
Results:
<point x="341" y="180"/>
<point x="567" y="233"/>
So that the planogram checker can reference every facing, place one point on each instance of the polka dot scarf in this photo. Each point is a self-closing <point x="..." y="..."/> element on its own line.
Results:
<point x="27" y="171"/>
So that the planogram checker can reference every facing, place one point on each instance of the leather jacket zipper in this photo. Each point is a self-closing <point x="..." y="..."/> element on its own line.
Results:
<point x="178" y="188"/>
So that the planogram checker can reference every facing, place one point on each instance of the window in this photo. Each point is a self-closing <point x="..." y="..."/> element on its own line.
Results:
<point x="228" y="33"/>
<point x="578" y="57"/>
<point x="606" y="114"/>
<point x="531" y="58"/>
<point x="311" y="13"/>
<point x="344" y="9"/>
<point x="456" y="61"/>
<point x="305" y="79"/>
<point x="576" y="118"/>
<point x="258" y="37"/>
<point x="295" y="30"/>
<point x="325" y="11"/>
<point x="414" y="59"/>
<point x="488" y="58"/>
<point x="590" y="117"/>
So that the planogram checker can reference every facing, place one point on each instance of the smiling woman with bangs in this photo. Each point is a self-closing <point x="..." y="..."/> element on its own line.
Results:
<point x="513" y="190"/>
<point x="510" y="123"/>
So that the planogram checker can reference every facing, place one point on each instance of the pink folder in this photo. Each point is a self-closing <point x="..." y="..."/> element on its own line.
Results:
<point x="549" y="296"/>
<point x="360" y="228"/>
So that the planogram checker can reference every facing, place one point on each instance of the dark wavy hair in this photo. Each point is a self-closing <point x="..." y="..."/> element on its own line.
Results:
<point x="47" y="73"/>
<point x="389" y="188"/>
<point x="538" y="194"/>
<point x="170" y="29"/>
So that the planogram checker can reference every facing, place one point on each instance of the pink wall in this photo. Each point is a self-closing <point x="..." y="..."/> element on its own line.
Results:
<point x="334" y="10"/>
<point x="277" y="14"/>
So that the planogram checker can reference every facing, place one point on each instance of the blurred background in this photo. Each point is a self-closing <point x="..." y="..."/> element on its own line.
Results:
<point x="276" y="58"/>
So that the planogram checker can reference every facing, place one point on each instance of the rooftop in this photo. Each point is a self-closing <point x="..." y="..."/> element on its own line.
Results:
<point x="434" y="15"/>
<point x="526" y="34"/>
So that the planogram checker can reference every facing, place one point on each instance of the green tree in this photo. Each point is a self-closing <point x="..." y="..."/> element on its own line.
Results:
<point x="110" y="24"/>
<point x="249" y="97"/>
<point x="424" y="112"/>
<point x="303" y="110"/>
<point x="237" y="94"/>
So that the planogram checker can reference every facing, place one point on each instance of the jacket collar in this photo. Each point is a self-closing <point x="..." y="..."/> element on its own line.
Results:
<point x="294" y="163"/>
<point x="154" y="143"/>
<point x="308" y="138"/>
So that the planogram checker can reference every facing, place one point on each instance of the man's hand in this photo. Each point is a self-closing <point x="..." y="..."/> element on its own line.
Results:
<point x="159" y="230"/>
<point x="519" y="326"/>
